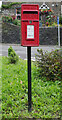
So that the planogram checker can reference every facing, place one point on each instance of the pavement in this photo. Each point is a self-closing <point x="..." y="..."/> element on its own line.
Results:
<point x="22" y="51"/>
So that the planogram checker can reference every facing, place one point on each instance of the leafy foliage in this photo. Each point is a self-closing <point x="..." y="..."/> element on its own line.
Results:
<point x="49" y="14"/>
<point x="60" y="19"/>
<point x="7" y="19"/>
<point x="12" y="57"/>
<point x="49" y="64"/>
<point x="11" y="19"/>
<point x="10" y="5"/>
<point x="15" y="22"/>
<point x="47" y="11"/>
<point x="45" y="94"/>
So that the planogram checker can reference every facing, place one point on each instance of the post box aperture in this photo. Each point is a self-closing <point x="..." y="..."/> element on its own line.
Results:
<point x="30" y="25"/>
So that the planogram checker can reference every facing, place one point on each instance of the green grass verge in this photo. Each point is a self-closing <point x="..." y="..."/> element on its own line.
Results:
<point x="45" y="94"/>
<point x="0" y="87"/>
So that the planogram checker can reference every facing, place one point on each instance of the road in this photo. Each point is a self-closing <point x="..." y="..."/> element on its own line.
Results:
<point x="22" y="51"/>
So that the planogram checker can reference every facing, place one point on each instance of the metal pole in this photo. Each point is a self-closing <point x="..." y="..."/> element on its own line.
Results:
<point x="29" y="77"/>
<point x="59" y="35"/>
<point x="58" y="30"/>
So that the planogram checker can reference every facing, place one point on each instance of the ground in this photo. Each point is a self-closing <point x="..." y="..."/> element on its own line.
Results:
<point x="22" y="51"/>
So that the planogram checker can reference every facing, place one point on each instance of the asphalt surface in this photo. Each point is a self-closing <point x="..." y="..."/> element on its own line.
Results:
<point x="22" y="51"/>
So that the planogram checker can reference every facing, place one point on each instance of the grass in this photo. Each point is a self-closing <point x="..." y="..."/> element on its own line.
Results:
<point x="45" y="94"/>
<point x="0" y="87"/>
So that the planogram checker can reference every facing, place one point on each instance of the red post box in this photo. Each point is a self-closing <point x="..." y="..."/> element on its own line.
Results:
<point x="30" y="25"/>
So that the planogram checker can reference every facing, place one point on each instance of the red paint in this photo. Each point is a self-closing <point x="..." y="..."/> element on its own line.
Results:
<point x="30" y="25"/>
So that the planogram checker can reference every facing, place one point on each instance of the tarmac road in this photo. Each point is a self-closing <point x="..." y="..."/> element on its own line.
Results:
<point x="22" y="51"/>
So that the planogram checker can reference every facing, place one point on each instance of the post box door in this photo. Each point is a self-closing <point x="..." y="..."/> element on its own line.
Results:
<point x="30" y="33"/>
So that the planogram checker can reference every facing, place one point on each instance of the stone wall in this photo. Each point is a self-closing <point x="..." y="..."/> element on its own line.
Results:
<point x="10" y="33"/>
<point x="47" y="35"/>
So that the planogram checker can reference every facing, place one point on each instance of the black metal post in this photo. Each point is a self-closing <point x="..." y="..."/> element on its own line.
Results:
<point x="29" y="77"/>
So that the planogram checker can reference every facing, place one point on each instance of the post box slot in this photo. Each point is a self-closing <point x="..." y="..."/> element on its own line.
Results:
<point x="30" y="12"/>
<point x="24" y="20"/>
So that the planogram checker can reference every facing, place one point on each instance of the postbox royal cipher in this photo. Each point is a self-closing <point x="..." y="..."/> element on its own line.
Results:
<point x="30" y="25"/>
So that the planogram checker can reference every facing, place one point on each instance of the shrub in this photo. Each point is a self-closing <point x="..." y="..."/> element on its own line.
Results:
<point x="60" y="19"/>
<point x="10" y="19"/>
<point x="7" y="6"/>
<point x="49" y="64"/>
<point x="7" y="19"/>
<point x="15" y="22"/>
<point x="12" y="57"/>
<point x="47" y="23"/>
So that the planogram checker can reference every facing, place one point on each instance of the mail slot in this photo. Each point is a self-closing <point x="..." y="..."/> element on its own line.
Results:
<point x="30" y="25"/>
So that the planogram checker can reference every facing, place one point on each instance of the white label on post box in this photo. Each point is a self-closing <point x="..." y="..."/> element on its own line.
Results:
<point x="30" y="31"/>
